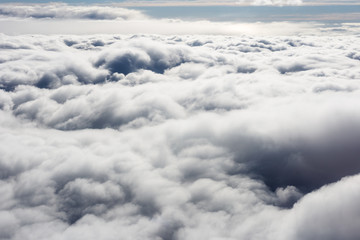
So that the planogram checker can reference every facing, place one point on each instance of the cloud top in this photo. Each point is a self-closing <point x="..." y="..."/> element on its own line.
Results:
<point x="179" y="137"/>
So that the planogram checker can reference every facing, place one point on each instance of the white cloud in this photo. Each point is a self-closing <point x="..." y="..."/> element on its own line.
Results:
<point x="273" y="2"/>
<point x="325" y="206"/>
<point x="64" y="11"/>
<point x="179" y="137"/>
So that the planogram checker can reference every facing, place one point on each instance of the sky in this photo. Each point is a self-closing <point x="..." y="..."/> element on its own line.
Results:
<point x="63" y="18"/>
<point x="182" y="122"/>
<point x="240" y="11"/>
<point x="201" y="2"/>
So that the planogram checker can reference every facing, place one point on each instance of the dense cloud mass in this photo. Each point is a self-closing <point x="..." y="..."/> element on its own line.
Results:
<point x="179" y="137"/>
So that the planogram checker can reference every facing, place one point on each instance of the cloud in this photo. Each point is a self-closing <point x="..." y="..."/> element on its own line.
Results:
<point x="61" y="18"/>
<point x="64" y="11"/>
<point x="316" y="206"/>
<point x="179" y="137"/>
<point x="278" y="2"/>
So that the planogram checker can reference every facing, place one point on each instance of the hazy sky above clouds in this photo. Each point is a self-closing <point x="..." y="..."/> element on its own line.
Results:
<point x="64" y="18"/>
<point x="232" y="11"/>
<point x="201" y="2"/>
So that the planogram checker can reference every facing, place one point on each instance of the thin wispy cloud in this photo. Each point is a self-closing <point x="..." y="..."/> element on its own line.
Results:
<point x="274" y="2"/>
<point x="134" y="3"/>
<point x="65" y="11"/>
<point x="55" y="18"/>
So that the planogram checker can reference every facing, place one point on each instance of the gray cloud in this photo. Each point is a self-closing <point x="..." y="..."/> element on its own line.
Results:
<point x="179" y="137"/>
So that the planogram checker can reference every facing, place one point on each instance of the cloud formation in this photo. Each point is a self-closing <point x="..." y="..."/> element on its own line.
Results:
<point x="179" y="137"/>
<point x="65" y="11"/>
<point x="277" y="2"/>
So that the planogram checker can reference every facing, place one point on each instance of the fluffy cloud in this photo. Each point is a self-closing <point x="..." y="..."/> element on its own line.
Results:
<point x="179" y="137"/>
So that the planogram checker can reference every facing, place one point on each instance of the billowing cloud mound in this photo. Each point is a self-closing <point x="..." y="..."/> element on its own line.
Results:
<point x="179" y="137"/>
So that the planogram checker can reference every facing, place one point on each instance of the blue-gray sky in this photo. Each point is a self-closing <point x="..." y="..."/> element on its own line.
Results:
<point x="239" y="11"/>
<point x="326" y="13"/>
<point x="170" y="19"/>
<point x="200" y="2"/>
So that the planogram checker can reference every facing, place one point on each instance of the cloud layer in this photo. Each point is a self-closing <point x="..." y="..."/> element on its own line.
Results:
<point x="60" y="18"/>
<point x="64" y="11"/>
<point x="179" y="137"/>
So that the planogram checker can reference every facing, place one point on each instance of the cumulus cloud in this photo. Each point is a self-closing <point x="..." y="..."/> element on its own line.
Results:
<point x="179" y="137"/>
